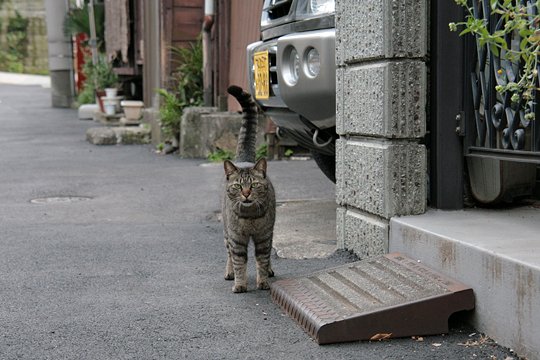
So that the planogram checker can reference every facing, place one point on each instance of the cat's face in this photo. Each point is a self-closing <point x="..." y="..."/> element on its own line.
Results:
<point x="247" y="187"/>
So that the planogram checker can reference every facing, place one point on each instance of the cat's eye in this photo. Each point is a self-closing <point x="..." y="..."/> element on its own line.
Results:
<point x="255" y="185"/>
<point x="237" y="186"/>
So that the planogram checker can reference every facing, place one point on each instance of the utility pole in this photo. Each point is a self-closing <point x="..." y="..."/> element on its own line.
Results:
<point x="60" y="54"/>
<point x="93" y="36"/>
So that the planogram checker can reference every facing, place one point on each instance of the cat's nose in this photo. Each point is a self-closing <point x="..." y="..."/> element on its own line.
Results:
<point x="246" y="192"/>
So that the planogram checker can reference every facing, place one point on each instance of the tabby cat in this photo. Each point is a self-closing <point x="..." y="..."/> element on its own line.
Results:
<point x="249" y="204"/>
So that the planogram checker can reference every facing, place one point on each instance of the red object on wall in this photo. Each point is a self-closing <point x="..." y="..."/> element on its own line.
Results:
<point x="81" y="51"/>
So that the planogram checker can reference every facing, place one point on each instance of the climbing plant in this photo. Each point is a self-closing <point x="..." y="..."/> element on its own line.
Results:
<point x="519" y="18"/>
<point x="16" y="42"/>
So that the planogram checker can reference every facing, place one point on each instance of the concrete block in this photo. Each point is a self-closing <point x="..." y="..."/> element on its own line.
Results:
<point x="101" y="136"/>
<point x="203" y="133"/>
<point x="133" y="135"/>
<point x="151" y="116"/>
<point x="380" y="29"/>
<point x="118" y="135"/>
<point x="86" y="111"/>
<point x="61" y="94"/>
<point x="191" y="131"/>
<point x="199" y="133"/>
<point x="386" y="99"/>
<point x="381" y="177"/>
<point x="366" y="235"/>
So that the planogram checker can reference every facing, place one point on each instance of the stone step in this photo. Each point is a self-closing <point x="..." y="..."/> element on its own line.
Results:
<point x="125" y="135"/>
<point x="385" y="297"/>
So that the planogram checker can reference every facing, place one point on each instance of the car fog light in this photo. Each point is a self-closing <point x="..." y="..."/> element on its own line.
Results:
<point x="313" y="62"/>
<point x="291" y="66"/>
<point x="295" y="65"/>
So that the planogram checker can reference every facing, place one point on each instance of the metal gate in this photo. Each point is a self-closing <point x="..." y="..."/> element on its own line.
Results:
<point x="478" y="136"/>
<point x="501" y="129"/>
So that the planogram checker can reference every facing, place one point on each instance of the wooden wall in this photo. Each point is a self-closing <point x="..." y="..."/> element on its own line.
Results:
<point x="187" y="21"/>
<point x="244" y="29"/>
<point x="182" y="24"/>
<point x="236" y="25"/>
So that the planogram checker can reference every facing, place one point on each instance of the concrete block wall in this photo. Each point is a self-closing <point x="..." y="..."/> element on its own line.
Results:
<point x="381" y="163"/>
<point x="203" y="130"/>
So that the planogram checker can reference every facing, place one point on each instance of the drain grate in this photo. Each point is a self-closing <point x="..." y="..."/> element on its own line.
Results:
<point x="59" y="199"/>
<point x="389" y="296"/>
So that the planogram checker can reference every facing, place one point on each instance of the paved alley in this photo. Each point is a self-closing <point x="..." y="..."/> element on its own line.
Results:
<point x="116" y="252"/>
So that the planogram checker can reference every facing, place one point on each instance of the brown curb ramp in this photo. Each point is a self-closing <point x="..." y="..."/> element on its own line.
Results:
<point x="385" y="297"/>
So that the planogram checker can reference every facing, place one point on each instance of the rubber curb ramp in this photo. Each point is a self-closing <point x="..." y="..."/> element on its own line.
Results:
<point x="385" y="297"/>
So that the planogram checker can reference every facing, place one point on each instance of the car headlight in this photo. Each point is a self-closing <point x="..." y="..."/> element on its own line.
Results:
<point x="313" y="62"/>
<point x="318" y="7"/>
<point x="315" y="7"/>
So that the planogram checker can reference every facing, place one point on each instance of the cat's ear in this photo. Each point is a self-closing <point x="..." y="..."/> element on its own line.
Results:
<point x="229" y="168"/>
<point x="261" y="166"/>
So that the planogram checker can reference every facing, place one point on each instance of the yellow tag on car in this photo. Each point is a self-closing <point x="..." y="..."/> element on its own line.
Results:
<point x="262" y="81"/>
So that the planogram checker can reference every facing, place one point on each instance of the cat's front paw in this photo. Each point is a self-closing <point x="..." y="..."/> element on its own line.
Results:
<point x="239" y="289"/>
<point x="229" y="276"/>
<point x="263" y="285"/>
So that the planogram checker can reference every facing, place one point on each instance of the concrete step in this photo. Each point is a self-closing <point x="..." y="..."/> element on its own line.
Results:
<point x="497" y="253"/>
<point x="125" y="135"/>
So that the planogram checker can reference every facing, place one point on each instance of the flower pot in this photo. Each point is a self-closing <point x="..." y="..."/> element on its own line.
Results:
<point x="111" y="92"/>
<point x="132" y="109"/>
<point x="99" y="95"/>
<point x="110" y="109"/>
<point x="110" y="105"/>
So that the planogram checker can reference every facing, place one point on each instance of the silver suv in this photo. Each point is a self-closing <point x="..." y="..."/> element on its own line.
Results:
<point x="292" y="74"/>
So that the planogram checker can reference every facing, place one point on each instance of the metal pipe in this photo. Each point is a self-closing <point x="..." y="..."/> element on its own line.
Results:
<point x="209" y="8"/>
<point x="208" y="22"/>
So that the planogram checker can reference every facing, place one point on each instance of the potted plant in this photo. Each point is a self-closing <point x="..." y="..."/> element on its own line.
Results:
<point x="187" y="90"/>
<point x="100" y="76"/>
<point x="77" y="21"/>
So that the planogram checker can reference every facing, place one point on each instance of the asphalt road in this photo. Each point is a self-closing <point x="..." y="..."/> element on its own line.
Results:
<point x="133" y="268"/>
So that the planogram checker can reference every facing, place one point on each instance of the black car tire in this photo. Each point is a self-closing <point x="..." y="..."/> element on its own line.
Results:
<point x="327" y="164"/>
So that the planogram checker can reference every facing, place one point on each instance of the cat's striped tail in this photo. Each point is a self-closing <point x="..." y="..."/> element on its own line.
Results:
<point x="245" y="149"/>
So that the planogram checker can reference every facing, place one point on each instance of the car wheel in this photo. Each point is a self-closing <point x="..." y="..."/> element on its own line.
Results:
<point x="327" y="164"/>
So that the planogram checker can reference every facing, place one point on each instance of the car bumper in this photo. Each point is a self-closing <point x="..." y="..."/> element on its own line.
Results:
<point x="311" y="96"/>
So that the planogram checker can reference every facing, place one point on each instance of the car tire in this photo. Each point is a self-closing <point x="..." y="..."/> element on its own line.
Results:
<point x="327" y="164"/>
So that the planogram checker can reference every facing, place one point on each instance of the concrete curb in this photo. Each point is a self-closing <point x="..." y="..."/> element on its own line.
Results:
<point x="25" y="79"/>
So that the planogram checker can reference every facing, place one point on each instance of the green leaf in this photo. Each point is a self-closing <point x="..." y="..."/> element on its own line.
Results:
<point x="523" y="44"/>
<point x="501" y="41"/>
<point x="494" y="49"/>
<point x="525" y="32"/>
<point x="465" y="31"/>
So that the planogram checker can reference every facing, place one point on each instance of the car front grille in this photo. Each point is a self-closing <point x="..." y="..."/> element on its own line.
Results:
<point x="272" y="54"/>
<point x="278" y="9"/>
